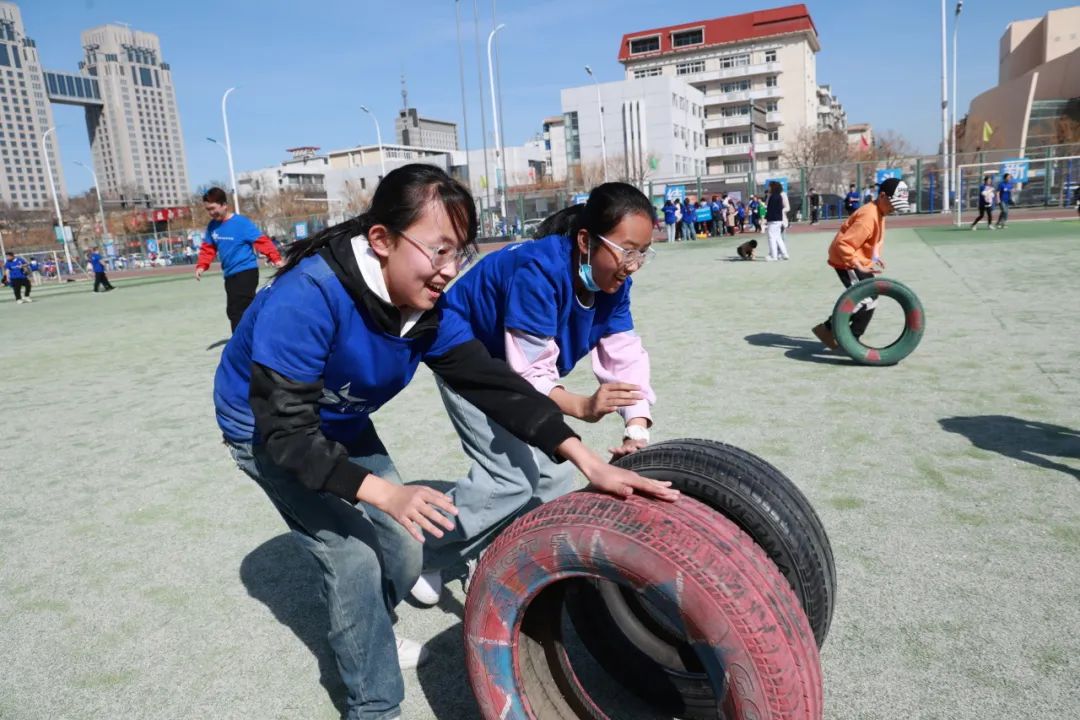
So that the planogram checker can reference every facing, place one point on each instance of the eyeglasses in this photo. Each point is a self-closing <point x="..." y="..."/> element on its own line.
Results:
<point x="443" y="255"/>
<point x="630" y="257"/>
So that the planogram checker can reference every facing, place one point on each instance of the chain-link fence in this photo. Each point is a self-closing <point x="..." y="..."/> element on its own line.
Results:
<point x="925" y="175"/>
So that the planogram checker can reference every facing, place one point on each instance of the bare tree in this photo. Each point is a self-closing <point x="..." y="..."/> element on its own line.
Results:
<point x="890" y="147"/>
<point x="820" y="154"/>
<point x="356" y="199"/>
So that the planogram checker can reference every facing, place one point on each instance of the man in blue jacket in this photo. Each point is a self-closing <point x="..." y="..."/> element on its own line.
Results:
<point x="237" y="240"/>
<point x="15" y="273"/>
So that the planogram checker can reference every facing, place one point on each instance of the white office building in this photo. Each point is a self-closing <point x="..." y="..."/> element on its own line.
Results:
<point x="652" y="127"/>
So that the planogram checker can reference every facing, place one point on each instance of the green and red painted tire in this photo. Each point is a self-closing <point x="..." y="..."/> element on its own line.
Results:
<point x="914" y="321"/>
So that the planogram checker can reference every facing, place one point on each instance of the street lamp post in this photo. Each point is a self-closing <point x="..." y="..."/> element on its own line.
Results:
<point x="56" y="199"/>
<point x="378" y="137"/>
<point x="228" y="150"/>
<point x="944" y="111"/>
<point x="495" y="118"/>
<point x="101" y="206"/>
<point x="600" y="105"/>
<point x="955" y="179"/>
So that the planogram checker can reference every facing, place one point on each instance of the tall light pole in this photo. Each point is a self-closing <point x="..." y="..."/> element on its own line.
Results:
<point x="944" y="111"/>
<point x="483" y="120"/>
<point x="228" y="150"/>
<point x="55" y="198"/>
<point x="378" y="136"/>
<point x="461" y="76"/>
<point x="495" y="119"/>
<point x="955" y="179"/>
<point x="600" y="104"/>
<point x="101" y="207"/>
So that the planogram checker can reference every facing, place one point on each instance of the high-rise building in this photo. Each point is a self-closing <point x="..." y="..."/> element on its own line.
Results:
<point x="765" y="57"/>
<point x="135" y="135"/>
<point x="25" y="116"/>
<point x="132" y="119"/>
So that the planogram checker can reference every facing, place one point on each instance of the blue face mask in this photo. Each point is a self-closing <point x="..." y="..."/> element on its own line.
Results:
<point x="585" y="273"/>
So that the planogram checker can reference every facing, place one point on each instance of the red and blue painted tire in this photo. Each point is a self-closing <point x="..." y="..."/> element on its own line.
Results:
<point x="914" y="321"/>
<point x="705" y="575"/>
<point x="642" y="652"/>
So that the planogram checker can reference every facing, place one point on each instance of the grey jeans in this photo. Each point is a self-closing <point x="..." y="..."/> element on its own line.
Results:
<point x="507" y="479"/>
<point x="369" y="563"/>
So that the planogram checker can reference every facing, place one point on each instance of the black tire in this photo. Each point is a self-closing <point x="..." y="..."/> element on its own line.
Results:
<point x="633" y="643"/>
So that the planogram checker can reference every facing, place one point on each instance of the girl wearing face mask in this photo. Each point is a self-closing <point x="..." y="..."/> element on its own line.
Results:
<point x="339" y="332"/>
<point x="543" y="306"/>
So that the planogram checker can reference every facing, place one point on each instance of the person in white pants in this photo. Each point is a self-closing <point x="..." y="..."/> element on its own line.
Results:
<point x="776" y="210"/>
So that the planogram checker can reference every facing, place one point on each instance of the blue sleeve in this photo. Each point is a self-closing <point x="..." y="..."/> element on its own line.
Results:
<point x="250" y="232"/>
<point x="621" y="320"/>
<point x="531" y="304"/>
<point x="295" y="329"/>
<point x="208" y="237"/>
<point x="453" y="331"/>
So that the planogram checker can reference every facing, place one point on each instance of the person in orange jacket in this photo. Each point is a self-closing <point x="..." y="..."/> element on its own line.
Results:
<point x="855" y="252"/>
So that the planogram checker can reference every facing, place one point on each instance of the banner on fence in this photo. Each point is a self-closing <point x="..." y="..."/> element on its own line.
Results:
<point x="673" y="192"/>
<point x="885" y="174"/>
<point x="1017" y="167"/>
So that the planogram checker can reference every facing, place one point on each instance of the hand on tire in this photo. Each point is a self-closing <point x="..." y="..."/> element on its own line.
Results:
<point x="628" y="447"/>
<point x="416" y="508"/>
<point x="608" y="398"/>
<point x="623" y="483"/>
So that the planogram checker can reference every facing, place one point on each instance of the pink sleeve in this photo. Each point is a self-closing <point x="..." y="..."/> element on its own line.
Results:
<point x="533" y="358"/>
<point x="622" y="358"/>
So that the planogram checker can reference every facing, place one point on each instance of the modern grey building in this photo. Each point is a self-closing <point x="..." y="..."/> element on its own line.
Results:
<point x="134" y="130"/>
<point x="25" y="115"/>
<point x="415" y="131"/>
<point x="132" y="119"/>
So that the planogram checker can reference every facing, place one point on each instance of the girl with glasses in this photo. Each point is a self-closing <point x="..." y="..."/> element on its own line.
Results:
<point x="544" y="305"/>
<point x="337" y="334"/>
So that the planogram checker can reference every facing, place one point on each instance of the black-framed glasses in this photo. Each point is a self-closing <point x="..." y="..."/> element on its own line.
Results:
<point x="630" y="257"/>
<point x="443" y="255"/>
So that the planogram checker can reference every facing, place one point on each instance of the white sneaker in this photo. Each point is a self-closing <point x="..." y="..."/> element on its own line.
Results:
<point x="428" y="589"/>
<point x="784" y="257"/>
<point x="974" y="228"/>
<point x="470" y="570"/>
<point x="27" y="300"/>
<point x="411" y="654"/>
<point x="19" y="301"/>
<point x="769" y="258"/>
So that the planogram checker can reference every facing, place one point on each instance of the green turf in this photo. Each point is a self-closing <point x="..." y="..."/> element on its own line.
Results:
<point x="143" y="576"/>
<point x="1014" y="231"/>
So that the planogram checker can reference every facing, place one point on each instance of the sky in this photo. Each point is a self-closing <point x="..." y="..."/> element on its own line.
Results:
<point x="302" y="70"/>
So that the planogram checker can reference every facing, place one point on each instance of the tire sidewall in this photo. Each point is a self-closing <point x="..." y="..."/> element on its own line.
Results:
<point x="914" y="321"/>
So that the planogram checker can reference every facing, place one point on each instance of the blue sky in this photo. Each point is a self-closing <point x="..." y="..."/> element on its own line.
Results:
<point x="304" y="69"/>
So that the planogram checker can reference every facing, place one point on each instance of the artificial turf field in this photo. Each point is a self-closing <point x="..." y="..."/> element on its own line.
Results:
<point x="143" y="576"/>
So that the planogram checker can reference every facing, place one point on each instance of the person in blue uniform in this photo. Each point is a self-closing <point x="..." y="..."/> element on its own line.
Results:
<point x="15" y="269"/>
<point x="851" y="200"/>
<point x="1004" y="199"/>
<point x="237" y="239"/>
<point x="336" y="335"/>
<point x="543" y="306"/>
<point x="100" y="278"/>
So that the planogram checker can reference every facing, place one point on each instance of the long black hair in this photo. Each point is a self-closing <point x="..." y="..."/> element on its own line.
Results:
<point x="608" y="204"/>
<point x="399" y="201"/>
